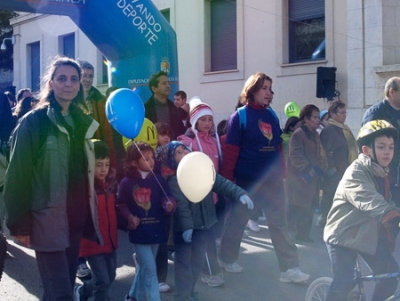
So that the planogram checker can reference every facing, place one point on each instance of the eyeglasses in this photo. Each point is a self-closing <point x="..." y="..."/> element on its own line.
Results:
<point x="90" y="76"/>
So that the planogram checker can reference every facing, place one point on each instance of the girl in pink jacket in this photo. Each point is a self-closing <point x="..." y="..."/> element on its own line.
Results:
<point x="203" y="137"/>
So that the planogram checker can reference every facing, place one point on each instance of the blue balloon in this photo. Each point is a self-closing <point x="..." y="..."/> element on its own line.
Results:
<point x="125" y="112"/>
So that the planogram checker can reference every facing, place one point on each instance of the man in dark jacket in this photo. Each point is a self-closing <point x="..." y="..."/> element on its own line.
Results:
<point x="389" y="109"/>
<point x="159" y="108"/>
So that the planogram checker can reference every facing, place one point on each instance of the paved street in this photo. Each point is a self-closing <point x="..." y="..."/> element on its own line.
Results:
<point x="258" y="282"/>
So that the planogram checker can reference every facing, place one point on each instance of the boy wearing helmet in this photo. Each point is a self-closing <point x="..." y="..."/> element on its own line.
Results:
<point x="363" y="220"/>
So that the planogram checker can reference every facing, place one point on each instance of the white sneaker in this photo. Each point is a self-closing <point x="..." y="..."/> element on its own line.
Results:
<point x="163" y="287"/>
<point x="294" y="275"/>
<point x="253" y="226"/>
<point x="230" y="267"/>
<point x="212" y="280"/>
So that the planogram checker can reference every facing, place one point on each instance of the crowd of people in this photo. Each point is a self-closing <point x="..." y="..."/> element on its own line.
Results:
<point x="70" y="184"/>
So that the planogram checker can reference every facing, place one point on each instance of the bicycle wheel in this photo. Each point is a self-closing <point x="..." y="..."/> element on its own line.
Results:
<point x="318" y="289"/>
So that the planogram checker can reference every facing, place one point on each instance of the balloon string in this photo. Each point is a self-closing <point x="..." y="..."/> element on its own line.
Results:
<point x="194" y="211"/>
<point x="162" y="188"/>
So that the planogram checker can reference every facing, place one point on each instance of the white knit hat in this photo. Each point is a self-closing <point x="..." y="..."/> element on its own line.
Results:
<point x="198" y="109"/>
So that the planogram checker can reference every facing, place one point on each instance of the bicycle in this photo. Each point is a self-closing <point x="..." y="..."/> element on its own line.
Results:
<point x="318" y="289"/>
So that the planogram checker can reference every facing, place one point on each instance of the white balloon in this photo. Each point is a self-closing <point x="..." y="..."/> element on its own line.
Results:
<point x="196" y="176"/>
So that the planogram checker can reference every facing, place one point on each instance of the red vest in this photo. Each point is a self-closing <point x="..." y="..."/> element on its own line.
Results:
<point x="108" y="228"/>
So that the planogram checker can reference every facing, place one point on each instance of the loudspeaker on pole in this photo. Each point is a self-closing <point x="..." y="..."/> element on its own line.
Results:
<point x="326" y="81"/>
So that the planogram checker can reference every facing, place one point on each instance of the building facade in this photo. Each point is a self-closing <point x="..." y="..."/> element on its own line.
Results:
<point x="222" y="42"/>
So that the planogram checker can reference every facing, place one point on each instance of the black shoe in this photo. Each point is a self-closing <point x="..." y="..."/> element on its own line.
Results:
<point x="304" y="239"/>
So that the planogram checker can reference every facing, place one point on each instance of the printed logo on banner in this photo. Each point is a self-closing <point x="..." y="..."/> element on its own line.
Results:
<point x="165" y="65"/>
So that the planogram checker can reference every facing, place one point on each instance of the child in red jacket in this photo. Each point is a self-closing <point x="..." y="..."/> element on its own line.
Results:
<point x="101" y="258"/>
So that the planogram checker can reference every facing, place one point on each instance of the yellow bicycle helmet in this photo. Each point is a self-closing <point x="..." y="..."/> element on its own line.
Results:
<point x="375" y="128"/>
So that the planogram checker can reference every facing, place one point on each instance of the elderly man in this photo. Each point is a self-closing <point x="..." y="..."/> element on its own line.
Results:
<point x="389" y="109"/>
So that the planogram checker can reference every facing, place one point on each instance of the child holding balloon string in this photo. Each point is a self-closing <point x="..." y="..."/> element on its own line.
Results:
<point x="194" y="216"/>
<point x="202" y="136"/>
<point x="143" y="199"/>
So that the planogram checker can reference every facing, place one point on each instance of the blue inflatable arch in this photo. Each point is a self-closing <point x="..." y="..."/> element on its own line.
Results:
<point x="133" y="35"/>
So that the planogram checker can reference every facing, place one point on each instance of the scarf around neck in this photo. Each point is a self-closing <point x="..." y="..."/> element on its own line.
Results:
<point x="350" y="140"/>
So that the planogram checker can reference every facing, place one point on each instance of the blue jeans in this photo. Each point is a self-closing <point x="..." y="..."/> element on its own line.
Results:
<point x="103" y="268"/>
<point x="189" y="261"/>
<point x="268" y="194"/>
<point x="162" y="253"/>
<point x="343" y="263"/>
<point x="145" y="283"/>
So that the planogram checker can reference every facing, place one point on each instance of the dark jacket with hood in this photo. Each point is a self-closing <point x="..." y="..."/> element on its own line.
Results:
<point x="41" y="198"/>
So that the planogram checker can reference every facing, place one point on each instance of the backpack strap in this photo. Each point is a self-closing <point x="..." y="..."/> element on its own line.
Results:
<point x="243" y="116"/>
<point x="274" y="114"/>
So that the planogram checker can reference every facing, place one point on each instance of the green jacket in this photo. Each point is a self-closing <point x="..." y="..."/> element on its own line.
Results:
<point x="355" y="217"/>
<point x="36" y="181"/>
<point x="200" y="215"/>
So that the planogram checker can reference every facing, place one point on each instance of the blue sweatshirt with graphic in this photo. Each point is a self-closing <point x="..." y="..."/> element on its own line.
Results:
<point x="254" y="150"/>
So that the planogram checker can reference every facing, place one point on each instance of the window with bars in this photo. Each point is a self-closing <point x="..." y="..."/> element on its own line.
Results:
<point x="306" y="30"/>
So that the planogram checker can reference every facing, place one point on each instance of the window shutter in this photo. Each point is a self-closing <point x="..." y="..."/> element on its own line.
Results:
<point x="223" y="35"/>
<point x="306" y="9"/>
